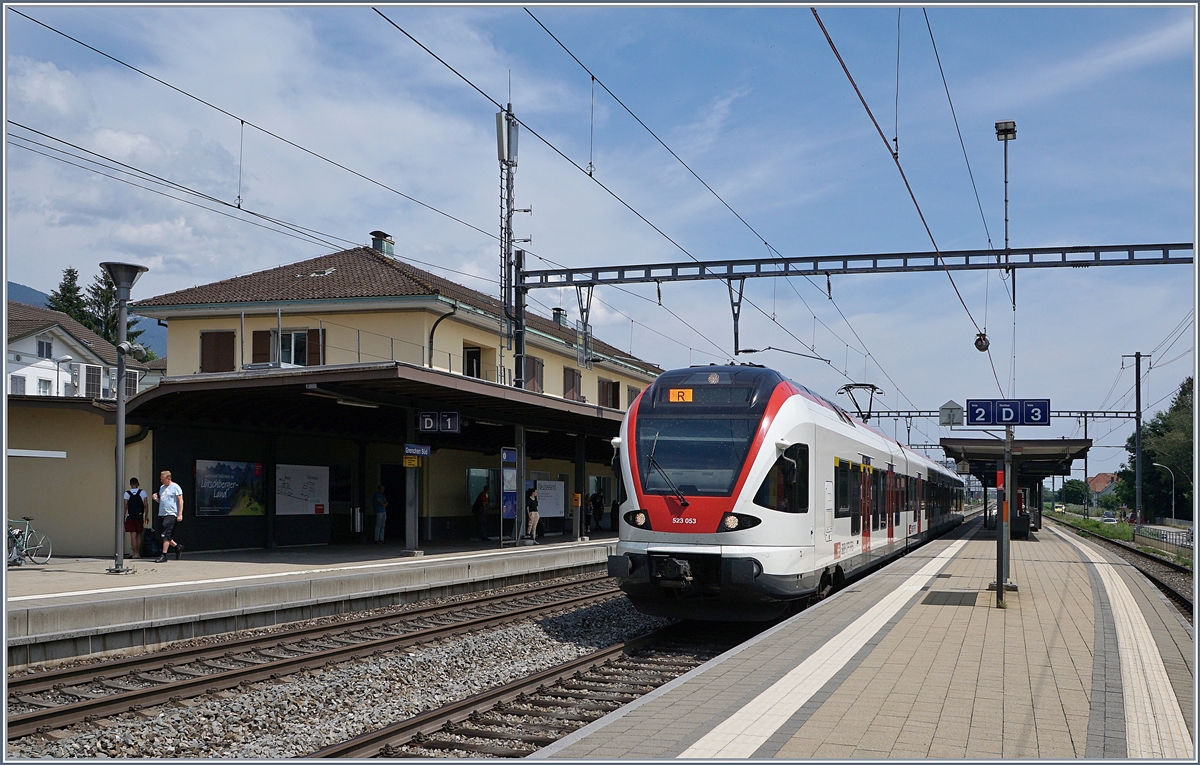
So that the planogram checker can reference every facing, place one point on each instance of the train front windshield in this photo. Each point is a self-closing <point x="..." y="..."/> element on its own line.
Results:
<point x="694" y="431"/>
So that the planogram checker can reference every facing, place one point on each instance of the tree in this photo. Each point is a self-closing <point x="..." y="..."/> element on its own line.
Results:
<point x="68" y="298"/>
<point x="1074" y="492"/>
<point x="1166" y="439"/>
<point x="103" y="309"/>
<point x="1109" y="501"/>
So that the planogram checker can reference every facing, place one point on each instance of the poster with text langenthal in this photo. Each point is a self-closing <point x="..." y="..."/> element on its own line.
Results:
<point x="229" y="488"/>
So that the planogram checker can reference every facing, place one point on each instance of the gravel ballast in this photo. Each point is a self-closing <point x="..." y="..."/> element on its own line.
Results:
<point x="310" y="710"/>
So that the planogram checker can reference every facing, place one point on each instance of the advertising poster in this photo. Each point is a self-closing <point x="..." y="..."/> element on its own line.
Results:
<point x="508" y="493"/>
<point x="229" y="488"/>
<point x="551" y="499"/>
<point x="301" y="490"/>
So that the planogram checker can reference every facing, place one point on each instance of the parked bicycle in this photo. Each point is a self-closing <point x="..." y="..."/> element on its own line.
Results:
<point x="24" y="541"/>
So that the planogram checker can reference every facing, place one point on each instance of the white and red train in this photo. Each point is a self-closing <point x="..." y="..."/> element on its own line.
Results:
<point x="744" y="493"/>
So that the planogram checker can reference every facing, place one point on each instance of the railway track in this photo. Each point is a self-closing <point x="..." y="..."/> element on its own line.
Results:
<point x="1173" y="579"/>
<point x="518" y="718"/>
<point x="58" y="698"/>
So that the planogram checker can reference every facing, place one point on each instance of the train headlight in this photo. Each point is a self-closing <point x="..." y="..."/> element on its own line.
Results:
<point x="737" y="522"/>
<point x="638" y="519"/>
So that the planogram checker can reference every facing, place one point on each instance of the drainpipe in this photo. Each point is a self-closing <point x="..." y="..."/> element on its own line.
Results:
<point x="453" y="310"/>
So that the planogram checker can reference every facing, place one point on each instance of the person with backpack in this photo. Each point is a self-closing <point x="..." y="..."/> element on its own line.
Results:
<point x="137" y="515"/>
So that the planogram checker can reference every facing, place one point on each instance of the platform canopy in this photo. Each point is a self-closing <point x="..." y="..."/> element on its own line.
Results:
<point x="1033" y="459"/>
<point x="375" y="401"/>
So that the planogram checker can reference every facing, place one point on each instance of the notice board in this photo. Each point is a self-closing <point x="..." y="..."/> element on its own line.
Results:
<point x="301" y="489"/>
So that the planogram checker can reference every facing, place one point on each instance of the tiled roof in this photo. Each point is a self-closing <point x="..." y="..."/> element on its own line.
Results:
<point x="360" y="272"/>
<point x="157" y="365"/>
<point x="24" y="320"/>
<point x="1101" y="481"/>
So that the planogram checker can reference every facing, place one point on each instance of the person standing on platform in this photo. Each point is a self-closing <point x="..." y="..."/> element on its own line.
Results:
<point x="381" y="505"/>
<point x="170" y="511"/>
<point x="137" y="513"/>
<point x="479" y="509"/>
<point x="595" y="512"/>
<point x="531" y="514"/>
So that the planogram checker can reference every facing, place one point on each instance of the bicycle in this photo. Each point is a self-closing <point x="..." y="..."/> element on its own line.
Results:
<point x="26" y="542"/>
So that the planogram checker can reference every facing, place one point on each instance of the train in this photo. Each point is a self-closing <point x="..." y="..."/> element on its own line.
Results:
<point x="744" y="495"/>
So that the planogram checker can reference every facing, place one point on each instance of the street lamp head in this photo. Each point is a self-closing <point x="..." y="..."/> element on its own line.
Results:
<point x="63" y="359"/>
<point x="124" y="275"/>
<point x="1006" y="130"/>
<point x="132" y="349"/>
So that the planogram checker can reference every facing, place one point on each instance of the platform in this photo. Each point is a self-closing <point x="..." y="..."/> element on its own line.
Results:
<point x="1088" y="660"/>
<point x="71" y="606"/>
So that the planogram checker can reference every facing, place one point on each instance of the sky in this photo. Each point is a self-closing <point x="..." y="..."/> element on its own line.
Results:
<point x="752" y="99"/>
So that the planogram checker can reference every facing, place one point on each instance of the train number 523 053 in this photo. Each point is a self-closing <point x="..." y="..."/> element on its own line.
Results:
<point x="684" y="520"/>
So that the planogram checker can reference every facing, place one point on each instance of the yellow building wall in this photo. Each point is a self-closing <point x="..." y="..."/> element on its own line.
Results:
<point x="403" y="335"/>
<point x="72" y="500"/>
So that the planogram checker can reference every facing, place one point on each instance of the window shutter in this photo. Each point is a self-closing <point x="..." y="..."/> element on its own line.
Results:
<point x="216" y="351"/>
<point x="208" y="352"/>
<point x="261" y="346"/>
<point x="316" y="348"/>
<point x="225" y="351"/>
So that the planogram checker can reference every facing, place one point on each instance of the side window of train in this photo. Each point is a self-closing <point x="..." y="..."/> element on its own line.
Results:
<point x="786" y="486"/>
<point x="841" y="474"/>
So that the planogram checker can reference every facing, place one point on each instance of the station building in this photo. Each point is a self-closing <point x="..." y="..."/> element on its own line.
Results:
<point x="290" y="394"/>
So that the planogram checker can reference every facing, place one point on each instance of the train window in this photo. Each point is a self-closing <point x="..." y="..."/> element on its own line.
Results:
<point x="786" y="486"/>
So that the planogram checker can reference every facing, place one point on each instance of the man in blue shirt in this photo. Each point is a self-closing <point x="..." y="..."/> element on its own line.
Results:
<point x="381" y="504"/>
<point x="170" y="511"/>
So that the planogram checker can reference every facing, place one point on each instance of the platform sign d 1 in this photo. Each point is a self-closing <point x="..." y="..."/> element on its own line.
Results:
<point x="508" y="454"/>
<point x="991" y="411"/>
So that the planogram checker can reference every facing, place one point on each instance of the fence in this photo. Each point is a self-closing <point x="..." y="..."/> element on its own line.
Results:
<point x="1178" y="542"/>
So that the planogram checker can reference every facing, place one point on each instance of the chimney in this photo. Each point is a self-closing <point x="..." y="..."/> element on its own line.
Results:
<point x="560" y="316"/>
<point x="383" y="243"/>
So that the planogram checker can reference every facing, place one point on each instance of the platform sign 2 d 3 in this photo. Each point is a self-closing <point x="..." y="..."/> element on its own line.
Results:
<point x="1008" y="411"/>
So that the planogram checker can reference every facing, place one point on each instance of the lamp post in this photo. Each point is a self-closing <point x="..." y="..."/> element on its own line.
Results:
<point x="1172" y="472"/>
<point x="124" y="275"/>
<point x="57" y="371"/>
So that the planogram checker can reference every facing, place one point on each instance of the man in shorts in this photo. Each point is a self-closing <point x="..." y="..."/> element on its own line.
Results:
<point x="170" y="511"/>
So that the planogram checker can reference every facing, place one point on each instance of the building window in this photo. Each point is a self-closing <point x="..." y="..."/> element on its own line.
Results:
<point x="533" y="374"/>
<point x="45" y="348"/>
<point x="572" y="385"/>
<point x="216" y="351"/>
<point x="44" y="387"/>
<point x="631" y="394"/>
<point x="473" y="362"/>
<point x="16" y="385"/>
<point x="131" y="383"/>
<point x="610" y="394"/>
<point x="294" y="348"/>
<point x="91" y="379"/>
<point x="301" y="347"/>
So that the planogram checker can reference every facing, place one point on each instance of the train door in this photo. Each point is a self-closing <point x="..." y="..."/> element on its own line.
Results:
<point x="891" y="503"/>
<point x="867" y="506"/>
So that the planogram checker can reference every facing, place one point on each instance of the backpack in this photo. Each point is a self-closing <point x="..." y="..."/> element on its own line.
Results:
<point x="137" y="506"/>
<point x="151" y="543"/>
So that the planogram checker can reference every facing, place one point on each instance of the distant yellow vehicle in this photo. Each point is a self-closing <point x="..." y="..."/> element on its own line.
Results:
<point x="1060" y="508"/>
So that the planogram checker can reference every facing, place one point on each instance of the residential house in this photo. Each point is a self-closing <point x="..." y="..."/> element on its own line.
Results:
<point x="51" y="354"/>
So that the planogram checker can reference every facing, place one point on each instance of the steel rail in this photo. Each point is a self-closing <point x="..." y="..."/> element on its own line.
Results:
<point x="191" y="686"/>
<point x="371" y="743"/>
<point x="113" y="668"/>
